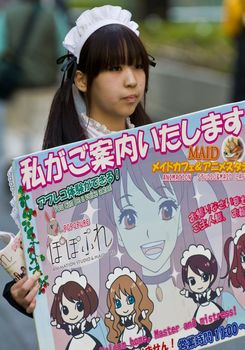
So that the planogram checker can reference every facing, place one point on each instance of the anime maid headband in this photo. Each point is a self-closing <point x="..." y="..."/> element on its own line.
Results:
<point x="195" y="250"/>
<point x="69" y="276"/>
<point x="239" y="234"/>
<point x="91" y="20"/>
<point x="118" y="271"/>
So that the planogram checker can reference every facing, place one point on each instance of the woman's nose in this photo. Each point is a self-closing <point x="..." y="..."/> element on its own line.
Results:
<point x="129" y="77"/>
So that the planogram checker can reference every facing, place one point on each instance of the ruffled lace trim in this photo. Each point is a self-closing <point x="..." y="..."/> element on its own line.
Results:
<point x="14" y="212"/>
<point x="101" y="128"/>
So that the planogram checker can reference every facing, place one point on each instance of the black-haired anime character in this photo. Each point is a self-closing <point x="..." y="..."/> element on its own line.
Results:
<point x="199" y="271"/>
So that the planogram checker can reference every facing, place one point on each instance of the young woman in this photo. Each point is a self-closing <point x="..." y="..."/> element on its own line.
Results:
<point x="103" y="90"/>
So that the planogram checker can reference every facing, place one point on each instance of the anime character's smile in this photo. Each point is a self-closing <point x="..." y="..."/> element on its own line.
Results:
<point x="153" y="250"/>
<point x="153" y="218"/>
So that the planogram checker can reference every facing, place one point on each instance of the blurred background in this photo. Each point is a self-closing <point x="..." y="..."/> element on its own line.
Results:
<point x="196" y="64"/>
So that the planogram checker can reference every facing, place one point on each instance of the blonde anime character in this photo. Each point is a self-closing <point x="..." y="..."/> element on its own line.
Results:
<point x="128" y="319"/>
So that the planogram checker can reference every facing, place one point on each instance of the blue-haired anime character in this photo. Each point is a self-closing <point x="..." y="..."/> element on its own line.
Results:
<point x="149" y="219"/>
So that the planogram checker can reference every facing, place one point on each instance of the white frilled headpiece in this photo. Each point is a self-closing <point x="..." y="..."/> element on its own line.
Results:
<point x="118" y="272"/>
<point x="239" y="233"/>
<point x="69" y="276"/>
<point x="91" y="20"/>
<point x="195" y="250"/>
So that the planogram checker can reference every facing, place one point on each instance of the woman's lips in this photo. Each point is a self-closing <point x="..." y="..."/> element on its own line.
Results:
<point x="131" y="98"/>
<point x="153" y="250"/>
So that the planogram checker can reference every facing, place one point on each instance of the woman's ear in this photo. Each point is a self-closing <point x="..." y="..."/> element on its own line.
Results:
<point x="80" y="81"/>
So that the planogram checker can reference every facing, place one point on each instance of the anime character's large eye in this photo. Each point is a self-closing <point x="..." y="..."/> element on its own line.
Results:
<point x="79" y="306"/>
<point x="128" y="216"/>
<point x="167" y="209"/>
<point x="130" y="299"/>
<point x="191" y="281"/>
<point x="205" y="277"/>
<point x="118" y="303"/>
<point x="65" y="310"/>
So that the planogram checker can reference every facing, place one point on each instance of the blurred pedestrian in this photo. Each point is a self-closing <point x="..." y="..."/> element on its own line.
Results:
<point x="37" y="57"/>
<point x="234" y="27"/>
<point x="23" y="116"/>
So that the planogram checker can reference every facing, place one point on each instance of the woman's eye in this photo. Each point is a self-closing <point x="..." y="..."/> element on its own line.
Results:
<point x="130" y="299"/>
<point x="80" y="306"/>
<point x="118" y="304"/>
<point x="205" y="277"/>
<point x="65" y="310"/>
<point x="115" y="68"/>
<point x="192" y="281"/>
<point x="139" y="66"/>
<point x="128" y="218"/>
<point x="167" y="209"/>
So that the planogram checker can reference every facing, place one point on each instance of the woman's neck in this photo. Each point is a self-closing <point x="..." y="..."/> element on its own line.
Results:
<point x="164" y="268"/>
<point x="112" y="124"/>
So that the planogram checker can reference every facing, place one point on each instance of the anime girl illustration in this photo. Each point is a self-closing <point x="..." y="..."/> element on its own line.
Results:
<point x="129" y="309"/>
<point x="149" y="221"/>
<point x="199" y="271"/>
<point x="74" y="301"/>
<point x="236" y="270"/>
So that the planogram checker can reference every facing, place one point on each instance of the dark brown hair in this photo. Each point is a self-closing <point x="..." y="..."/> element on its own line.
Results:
<point x="109" y="46"/>
<point x="200" y="263"/>
<point x="235" y="271"/>
<point x="74" y="292"/>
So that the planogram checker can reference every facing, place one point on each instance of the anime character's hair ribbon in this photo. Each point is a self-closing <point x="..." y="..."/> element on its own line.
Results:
<point x="93" y="19"/>
<point x="69" y="276"/>
<point x="195" y="250"/>
<point x="118" y="272"/>
<point x="239" y="234"/>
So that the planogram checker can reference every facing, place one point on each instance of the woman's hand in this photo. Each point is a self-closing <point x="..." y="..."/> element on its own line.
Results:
<point x="24" y="292"/>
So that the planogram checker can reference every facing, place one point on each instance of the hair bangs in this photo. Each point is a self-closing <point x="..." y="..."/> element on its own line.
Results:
<point x="110" y="46"/>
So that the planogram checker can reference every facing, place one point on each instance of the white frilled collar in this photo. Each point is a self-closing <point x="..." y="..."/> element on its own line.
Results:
<point x="95" y="129"/>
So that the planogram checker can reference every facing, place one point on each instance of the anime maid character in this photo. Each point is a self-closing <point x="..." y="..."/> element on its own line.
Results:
<point x="199" y="271"/>
<point x="74" y="301"/>
<point x="236" y="270"/>
<point x="149" y="220"/>
<point x="129" y="309"/>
